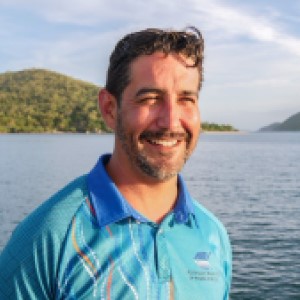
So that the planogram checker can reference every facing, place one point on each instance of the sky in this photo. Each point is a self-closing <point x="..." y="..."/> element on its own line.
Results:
<point x="252" y="48"/>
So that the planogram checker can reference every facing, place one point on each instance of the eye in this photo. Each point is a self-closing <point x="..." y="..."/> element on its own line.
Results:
<point x="149" y="99"/>
<point x="188" y="99"/>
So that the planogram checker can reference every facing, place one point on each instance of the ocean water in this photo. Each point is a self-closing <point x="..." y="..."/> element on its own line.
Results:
<point x="251" y="181"/>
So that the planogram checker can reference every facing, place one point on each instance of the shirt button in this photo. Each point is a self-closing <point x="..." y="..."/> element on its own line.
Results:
<point x="180" y="217"/>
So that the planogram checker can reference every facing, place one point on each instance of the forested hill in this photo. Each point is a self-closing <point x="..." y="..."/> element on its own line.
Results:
<point x="38" y="100"/>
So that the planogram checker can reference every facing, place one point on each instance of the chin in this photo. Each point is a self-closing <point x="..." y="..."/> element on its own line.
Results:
<point x="160" y="169"/>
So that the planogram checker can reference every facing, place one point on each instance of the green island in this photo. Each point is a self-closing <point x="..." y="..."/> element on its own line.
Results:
<point x="43" y="101"/>
<point x="206" y="126"/>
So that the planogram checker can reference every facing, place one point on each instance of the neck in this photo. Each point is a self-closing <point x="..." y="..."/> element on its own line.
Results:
<point x="151" y="197"/>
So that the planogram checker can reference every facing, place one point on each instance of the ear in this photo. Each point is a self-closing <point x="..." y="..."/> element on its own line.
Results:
<point x="108" y="108"/>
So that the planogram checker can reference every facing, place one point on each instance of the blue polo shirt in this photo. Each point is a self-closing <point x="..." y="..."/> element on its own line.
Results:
<point x="87" y="242"/>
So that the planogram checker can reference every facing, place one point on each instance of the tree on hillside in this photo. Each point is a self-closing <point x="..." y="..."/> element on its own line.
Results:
<point x="43" y="101"/>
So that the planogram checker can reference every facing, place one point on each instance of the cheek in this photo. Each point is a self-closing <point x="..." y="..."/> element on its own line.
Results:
<point x="192" y="119"/>
<point x="144" y="116"/>
<point x="137" y="119"/>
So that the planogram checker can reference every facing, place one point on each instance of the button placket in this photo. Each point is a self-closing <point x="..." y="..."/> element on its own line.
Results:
<point x="162" y="256"/>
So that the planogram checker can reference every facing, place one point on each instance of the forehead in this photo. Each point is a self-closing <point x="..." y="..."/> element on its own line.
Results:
<point x="161" y="68"/>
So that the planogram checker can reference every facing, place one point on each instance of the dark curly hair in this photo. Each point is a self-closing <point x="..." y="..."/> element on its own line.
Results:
<point x="188" y="43"/>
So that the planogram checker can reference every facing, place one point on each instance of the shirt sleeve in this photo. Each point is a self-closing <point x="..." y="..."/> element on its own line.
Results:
<point x="27" y="265"/>
<point x="227" y="265"/>
<point x="30" y="261"/>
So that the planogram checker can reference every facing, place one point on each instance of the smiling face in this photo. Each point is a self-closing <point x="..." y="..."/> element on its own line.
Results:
<point x="158" y="121"/>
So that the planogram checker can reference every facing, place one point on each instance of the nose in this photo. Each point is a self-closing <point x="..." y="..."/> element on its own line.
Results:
<point x="169" y="115"/>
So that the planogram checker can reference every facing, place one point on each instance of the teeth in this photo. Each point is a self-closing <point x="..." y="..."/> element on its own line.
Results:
<point x="164" y="142"/>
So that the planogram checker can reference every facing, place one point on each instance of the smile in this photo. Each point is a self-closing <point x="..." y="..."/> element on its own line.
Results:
<point x="165" y="143"/>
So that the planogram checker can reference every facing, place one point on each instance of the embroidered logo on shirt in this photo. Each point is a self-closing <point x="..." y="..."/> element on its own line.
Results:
<point x="202" y="259"/>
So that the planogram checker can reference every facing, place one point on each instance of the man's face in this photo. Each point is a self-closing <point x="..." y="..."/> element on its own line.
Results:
<point x="158" y="120"/>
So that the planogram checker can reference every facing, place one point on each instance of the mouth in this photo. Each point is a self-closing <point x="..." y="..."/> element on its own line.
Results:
<point x="165" y="143"/>
<point x="164" y="139"/>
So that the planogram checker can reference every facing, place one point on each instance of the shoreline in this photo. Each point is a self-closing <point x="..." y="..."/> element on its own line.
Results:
<point x="108" y="133"/>
<point x="225" y="132"/>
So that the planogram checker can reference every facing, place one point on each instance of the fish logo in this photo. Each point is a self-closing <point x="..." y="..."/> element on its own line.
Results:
<point x="202" y="259"/>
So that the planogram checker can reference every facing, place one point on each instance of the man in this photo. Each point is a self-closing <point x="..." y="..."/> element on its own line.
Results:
<point x="129" y="229"/>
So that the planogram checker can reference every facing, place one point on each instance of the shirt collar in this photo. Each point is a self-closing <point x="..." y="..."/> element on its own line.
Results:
<point x="110" y="206"/>
<point x="184" y="205"/>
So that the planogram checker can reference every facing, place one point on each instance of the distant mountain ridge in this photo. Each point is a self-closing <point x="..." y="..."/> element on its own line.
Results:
<point x="290" y="124"/>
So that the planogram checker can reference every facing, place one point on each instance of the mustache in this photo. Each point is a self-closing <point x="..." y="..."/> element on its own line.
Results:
<point x="165" y="134"/>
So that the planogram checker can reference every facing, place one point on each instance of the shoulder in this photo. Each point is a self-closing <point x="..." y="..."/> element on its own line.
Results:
<point x="203" y="212"/>
<point x="30" y="259"/>
<point x="210" y="224"/>
<point x="58" y="210"/>
<point x="50" y="221"/>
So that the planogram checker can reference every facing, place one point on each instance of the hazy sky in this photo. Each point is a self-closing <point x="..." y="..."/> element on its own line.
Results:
<point x="252" y="53"/>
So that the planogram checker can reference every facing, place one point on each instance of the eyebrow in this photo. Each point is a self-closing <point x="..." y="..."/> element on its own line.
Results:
<point x="149" y="91"/>
<point x="143" y="91"/>
<point x="189" y="93"/>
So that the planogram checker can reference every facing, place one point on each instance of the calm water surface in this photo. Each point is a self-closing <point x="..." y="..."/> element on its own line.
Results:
<point x="250" y="181"/>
